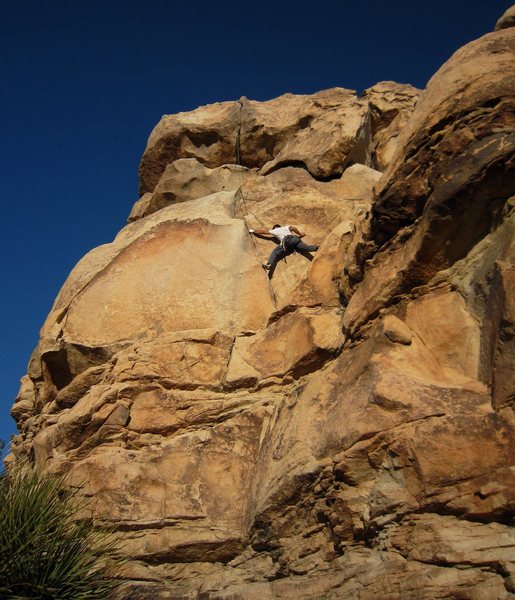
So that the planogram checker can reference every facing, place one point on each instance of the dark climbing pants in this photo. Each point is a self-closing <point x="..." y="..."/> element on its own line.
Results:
<point x="293" y="244"/>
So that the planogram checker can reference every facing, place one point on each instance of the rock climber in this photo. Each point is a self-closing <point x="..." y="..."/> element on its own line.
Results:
<point x="289" y="242"/>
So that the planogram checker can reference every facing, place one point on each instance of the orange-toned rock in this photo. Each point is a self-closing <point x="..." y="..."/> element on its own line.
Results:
<point x="390" y="106"/>
<point x="466" y="111"/>
<point x="150" y="288"/>
<point x="208" y="134"/>
<point x="297" y="343"/>
<point x="342" y="430"/>
<point x="507" y="19"/>
<point x="324" y="133"/>
<point x="188" y="179"/>
<point x="434" y="202"/>
<point x="332" y="133"/>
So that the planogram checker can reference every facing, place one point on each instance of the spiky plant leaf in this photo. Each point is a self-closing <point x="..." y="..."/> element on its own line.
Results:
<point x="47" y="553"/>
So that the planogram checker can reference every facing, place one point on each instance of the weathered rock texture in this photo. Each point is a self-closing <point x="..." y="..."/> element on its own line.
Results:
<point x="507" y="19"/>
<point x="343" y="431"/>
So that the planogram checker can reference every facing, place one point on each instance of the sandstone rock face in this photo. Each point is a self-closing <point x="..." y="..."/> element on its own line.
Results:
<point x="390" y="105"/>
<point x="323" y="133"/>
<point x="343" y="430"/>
<point x="467" y="110"/>
<point x="507" y="20"/>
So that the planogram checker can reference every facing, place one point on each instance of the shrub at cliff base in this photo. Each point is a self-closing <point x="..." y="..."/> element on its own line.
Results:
<point x="46" y="552"/>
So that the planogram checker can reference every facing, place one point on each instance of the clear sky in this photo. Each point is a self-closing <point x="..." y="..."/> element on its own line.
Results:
<point x="82" y="84"/>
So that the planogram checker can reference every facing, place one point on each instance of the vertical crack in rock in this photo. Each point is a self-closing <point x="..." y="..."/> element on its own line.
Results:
<point x="238" y="131"/>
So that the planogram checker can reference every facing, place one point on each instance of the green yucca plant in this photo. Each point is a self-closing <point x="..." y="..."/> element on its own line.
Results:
<point x="46" y="552"/>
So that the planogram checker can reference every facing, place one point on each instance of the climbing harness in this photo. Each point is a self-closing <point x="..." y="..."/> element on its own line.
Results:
<point x="289" y="242"/>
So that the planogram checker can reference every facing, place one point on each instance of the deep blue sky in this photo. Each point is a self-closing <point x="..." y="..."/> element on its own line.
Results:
<point x="83" y="84"/>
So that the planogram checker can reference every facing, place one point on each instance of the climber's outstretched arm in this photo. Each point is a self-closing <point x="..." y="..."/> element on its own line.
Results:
<point x="261" y="232"/>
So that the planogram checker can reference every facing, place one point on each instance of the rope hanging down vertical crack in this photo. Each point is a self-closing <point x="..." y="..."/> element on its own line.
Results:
<point x="238" y="162"/>
<point x="241" y="196"/>
<point x="247" y="211"/>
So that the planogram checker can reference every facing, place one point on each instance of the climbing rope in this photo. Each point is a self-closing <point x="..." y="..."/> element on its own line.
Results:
<point x="241" y="195"/>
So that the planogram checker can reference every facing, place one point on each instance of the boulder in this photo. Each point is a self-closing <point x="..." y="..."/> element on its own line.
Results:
<point x="390" y="106"/>
<point x="188" y="179"/>
<point x="466" y="111"/>
<point x="323" y="133"/>
<point x="208" y="134"/>
<point x="451" y="177"/>
<point x="507" y="19"/>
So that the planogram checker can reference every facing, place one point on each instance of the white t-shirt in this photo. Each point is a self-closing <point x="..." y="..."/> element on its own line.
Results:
<point x="280" y="232"/>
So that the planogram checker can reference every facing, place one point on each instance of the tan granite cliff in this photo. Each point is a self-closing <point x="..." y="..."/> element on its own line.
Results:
<point x="342" y="431"/>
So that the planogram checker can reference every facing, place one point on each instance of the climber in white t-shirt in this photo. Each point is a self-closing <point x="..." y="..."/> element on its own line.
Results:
<point x="289" y="242"/>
